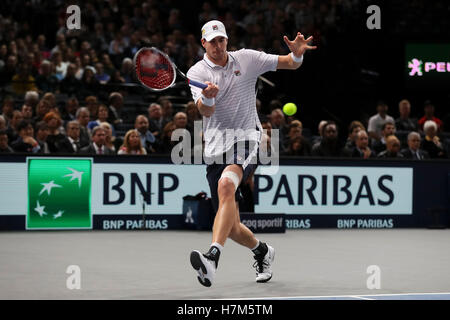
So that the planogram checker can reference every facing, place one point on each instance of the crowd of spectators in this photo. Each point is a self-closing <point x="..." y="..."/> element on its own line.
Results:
<point x="63" y="91"/>
<point x="383" y="137"/>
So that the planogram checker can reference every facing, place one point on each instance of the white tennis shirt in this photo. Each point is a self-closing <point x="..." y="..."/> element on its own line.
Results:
<point x="236" y="100"/>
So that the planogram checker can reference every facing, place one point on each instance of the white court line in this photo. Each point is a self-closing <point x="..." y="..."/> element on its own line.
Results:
<point x="363" y="297"/>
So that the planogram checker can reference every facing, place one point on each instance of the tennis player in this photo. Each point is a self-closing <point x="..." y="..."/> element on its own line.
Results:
<point x="229" y="102"/>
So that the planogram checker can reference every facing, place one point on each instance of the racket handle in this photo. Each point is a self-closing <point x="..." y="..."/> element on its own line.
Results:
<point x="197" y="84"/>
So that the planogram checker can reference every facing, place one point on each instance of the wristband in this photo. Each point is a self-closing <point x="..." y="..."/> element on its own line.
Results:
<point x="297" y="60"/>
<point x="208" y="101"/>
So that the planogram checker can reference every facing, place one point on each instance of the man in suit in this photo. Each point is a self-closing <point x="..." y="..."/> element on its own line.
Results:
<point x="387" y="129"/>
<point x="115" y="108"/>
<point x="82" y="116"/>
<point x="148" y="140"/>
<point x="42" y="133"/>
<point x="392" y="148"/>
<point x="413" y="151"/>
<point x="362" y="149"/>
<point x="97" y="146"/>
<point x="155" y="124"/>
<point x="71" y="143"/>
<point x="4" y="147"/>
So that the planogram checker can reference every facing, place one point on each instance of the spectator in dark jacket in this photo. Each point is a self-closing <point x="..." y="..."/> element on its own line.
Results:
<point x="4" y="147"/>
<point x="330" y="145"/>
<point x="413" y="151"/>
<point x="404" y="122"/>
<point x="70" y="85"/>
<point x="25" y="142"/>
<point x="392" y="148"/>
<point x="362" y="149"/>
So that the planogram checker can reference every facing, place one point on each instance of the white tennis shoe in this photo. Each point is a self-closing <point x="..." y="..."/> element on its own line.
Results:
<point x="263" y="266"/>
<point x="205" y="268"/>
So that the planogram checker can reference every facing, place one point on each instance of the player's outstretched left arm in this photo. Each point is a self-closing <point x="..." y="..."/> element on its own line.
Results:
<point x="298" y="47"/>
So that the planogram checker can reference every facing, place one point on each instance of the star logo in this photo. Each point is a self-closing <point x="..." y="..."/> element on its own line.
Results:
<point x="75" y="175"/>
<point x="59" y="193"/>
<point x="40" y="209"/>
<point x="58" y="215"/>
<point x="48" y="187"/>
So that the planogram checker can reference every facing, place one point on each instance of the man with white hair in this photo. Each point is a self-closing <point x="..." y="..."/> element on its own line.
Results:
<point x="31" y="99"/>
<point x="432" y="143"/>
<point x="413" y="151"/>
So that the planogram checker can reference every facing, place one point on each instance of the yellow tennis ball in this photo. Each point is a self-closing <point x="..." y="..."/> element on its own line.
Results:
<point x="290" y="108"/>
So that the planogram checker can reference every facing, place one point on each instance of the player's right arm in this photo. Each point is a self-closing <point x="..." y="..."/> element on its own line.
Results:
<point x="206" y="104"/>
<point x="204" y="99"/>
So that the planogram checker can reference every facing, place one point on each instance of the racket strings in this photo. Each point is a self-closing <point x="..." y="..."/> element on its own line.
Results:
<point x="154" y="70"/>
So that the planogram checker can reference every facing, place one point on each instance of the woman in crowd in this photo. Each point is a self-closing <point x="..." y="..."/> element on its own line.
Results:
<point x="55" y="136"/>
<point x="110" y="140"/>
<point x="102" y="116"/>
<point x="132" y="144"/>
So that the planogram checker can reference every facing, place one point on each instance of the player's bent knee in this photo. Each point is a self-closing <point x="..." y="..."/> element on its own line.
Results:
<point x="231" y="177"/>
<point x="226" y="188"/>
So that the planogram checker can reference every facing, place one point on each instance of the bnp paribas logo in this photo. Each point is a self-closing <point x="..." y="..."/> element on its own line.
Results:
<point x="59" y="194"/>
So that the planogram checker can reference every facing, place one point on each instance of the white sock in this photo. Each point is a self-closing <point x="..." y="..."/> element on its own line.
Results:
<point x="257" y="244"/>
<point x="217" y="245"/>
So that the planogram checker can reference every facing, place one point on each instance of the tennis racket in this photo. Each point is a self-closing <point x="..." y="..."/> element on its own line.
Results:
<point x="157" y="72"/>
